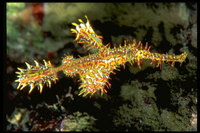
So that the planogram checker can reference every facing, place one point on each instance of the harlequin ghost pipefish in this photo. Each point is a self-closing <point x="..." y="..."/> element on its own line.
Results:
<point x="93" y="69"/>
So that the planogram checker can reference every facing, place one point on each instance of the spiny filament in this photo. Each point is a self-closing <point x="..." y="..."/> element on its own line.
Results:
<point x="36" y="76"/>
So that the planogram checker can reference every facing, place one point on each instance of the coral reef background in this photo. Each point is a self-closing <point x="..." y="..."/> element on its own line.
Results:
<point x="147" y="99"/>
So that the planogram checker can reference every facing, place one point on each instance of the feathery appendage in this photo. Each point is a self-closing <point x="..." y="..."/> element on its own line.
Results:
<point x="94" y="70"/>
<point x="85" y="34"/>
